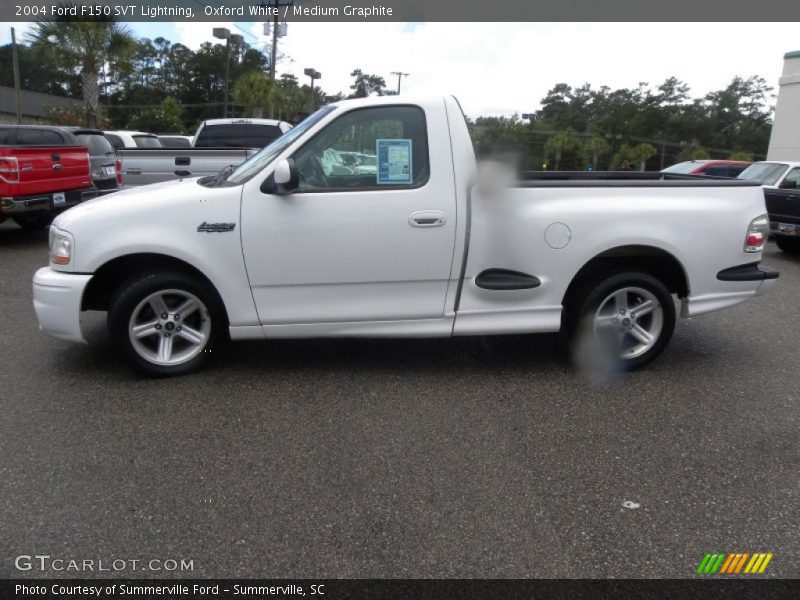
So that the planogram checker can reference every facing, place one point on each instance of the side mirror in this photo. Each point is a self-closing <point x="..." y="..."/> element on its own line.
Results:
<point x="284" y="179"/>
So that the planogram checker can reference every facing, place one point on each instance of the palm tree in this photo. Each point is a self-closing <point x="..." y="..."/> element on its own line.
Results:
<point x="596" y="147"/>
<point x="564" y="144"/>
<point x="85" y="47"/>
<point x="642" y="153"/>
<point x="255" y="91"/>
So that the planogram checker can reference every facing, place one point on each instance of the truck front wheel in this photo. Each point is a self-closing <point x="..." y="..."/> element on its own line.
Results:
<point x="621" y="321"/>
<point x="789" y="245"/>
<point x="36" y="220"/>
<point x="165" y="323"/>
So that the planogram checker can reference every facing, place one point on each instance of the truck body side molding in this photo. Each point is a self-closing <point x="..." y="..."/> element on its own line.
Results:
<point x="506" y="279"/>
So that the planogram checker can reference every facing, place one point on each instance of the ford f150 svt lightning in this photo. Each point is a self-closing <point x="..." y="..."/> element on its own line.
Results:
<point x="370" y="219"/>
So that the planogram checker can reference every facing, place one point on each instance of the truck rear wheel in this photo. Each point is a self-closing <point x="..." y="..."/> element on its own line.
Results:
<point x="788" y="244"/>
<point x="165" y="323"/>
<point x="620" y="321"/>
<point x="34" y="220"/>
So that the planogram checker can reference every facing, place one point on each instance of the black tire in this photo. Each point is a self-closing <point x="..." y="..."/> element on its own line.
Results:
<point x="36" y="220"/>
<point x="130" y="298"/>
<point x="788" y="244"/>
<point x="582" y="328"/>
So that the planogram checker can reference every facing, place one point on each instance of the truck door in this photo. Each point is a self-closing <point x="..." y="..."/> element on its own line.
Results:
<point x="369" y="235"/>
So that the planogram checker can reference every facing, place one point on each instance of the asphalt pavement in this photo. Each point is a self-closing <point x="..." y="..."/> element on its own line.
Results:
<point x="472" y="457"/>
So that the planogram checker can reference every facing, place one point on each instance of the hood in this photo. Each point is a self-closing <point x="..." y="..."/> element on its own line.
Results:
<point x="165" y="198"/>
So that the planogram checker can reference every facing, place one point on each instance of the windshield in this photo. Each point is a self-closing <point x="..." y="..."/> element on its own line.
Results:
<point x="765" y="173"/>
<point x="684" y="167"/>
<point x="261" y="159"/>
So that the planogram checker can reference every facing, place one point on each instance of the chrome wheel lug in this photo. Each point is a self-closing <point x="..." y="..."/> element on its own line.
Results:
<point x="177" y="317"/>
<point x="178" y="328"/>
<point x="164" y="315"/>
<point x="158" y="326"/>
<point x="167" y="334"/>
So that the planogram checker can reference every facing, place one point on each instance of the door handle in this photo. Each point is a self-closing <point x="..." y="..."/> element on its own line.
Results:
<point x="134" y="171"/>
<point x="427" y="218"/>
<point x="182" y="173"/>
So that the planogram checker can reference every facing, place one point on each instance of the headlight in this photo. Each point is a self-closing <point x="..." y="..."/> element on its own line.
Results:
<point x="61" y="247"/>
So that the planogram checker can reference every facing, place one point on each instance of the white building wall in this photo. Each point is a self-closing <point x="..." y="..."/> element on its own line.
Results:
<point x="784" y="141"/>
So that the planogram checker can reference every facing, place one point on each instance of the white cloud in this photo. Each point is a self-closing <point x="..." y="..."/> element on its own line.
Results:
<point x="20" y="30"/>
<point x="502" y="68"/>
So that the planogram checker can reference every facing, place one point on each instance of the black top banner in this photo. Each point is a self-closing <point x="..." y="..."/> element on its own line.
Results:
<point x="400" y="10"/>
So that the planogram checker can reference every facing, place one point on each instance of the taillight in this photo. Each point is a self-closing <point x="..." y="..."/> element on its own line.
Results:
<point x="757" y="234"/>
<point x="9" y="169"/>
<point x="118" y="169"/>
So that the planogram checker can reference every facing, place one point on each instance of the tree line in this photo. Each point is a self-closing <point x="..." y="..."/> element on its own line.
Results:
<point x="157" y="85"/>
<point x="649" y="127"/>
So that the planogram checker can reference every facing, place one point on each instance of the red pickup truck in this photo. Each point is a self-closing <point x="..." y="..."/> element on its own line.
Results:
<point x="43" y="170"/>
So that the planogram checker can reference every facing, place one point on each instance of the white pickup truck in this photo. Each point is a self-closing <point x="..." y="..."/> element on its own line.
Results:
<point x="370" y="219"/>
<point x="217" y="144"/>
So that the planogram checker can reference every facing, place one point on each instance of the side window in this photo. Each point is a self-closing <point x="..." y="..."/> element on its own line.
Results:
<point x="367" y="149"/>
<point x="792" y="179"/>
<point x="718" y="171"/>
<point x="116" y="141"/>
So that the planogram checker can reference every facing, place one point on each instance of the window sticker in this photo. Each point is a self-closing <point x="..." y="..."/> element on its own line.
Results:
<point x="394" y="161"/>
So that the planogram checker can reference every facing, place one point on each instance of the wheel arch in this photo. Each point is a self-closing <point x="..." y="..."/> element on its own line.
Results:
<point x="108" y="277"/>
<point x="655" y="261"/>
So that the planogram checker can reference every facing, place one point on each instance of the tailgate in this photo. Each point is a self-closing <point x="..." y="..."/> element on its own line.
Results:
<point x="152" y="165"/>
<point x="45" y="170"/>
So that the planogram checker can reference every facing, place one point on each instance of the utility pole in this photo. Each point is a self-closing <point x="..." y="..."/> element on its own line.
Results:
<point x="15" y="60"/>
<point x="400" y="76"/>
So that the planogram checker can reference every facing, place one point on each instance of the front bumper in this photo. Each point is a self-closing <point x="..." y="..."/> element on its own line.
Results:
<point x="57" y="300"/>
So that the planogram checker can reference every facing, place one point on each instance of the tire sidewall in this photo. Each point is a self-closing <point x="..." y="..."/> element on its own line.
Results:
<point x="133" y="291"/>
<point x="582" y="314"/>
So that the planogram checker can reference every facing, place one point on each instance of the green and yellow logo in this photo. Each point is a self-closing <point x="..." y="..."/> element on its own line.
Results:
<point x="734" y="563"/>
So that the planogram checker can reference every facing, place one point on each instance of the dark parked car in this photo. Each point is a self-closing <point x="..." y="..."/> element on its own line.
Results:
<point x="104" y="165"/>
<point x="718" y="168"/>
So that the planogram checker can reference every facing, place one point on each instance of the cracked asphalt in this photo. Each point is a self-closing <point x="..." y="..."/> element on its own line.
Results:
<point x="473" y="457"/>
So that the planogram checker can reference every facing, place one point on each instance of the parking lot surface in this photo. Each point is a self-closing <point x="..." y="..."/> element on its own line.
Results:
<point x="472" y="457"/>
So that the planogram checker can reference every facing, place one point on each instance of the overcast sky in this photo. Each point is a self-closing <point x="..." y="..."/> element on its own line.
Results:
<point x="503" y="68"/>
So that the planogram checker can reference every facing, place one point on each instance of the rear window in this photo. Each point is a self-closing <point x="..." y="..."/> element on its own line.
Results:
<point x="147" y="141"/>
<point x="684" y="167"/>
<point x="96" y="143"/>
<point x="237" y="135"/>
<point x="39" y="137"/>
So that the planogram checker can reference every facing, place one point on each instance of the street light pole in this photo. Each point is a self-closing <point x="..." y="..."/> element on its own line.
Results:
<point x="223" y="33"/>
<point x="313" y="74"/>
